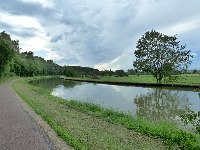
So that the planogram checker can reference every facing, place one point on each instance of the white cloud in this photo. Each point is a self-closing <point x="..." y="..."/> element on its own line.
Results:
<point x="181" y="27"/>
<point x="124" y="61"/>
<point x="45" y="3"/>
<point x="20" y="21"/>
<point x="34" y="43"/>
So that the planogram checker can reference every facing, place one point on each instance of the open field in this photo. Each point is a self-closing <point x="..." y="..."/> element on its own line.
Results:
<point x="184" y="80"/>
<point x="87" y="126"/>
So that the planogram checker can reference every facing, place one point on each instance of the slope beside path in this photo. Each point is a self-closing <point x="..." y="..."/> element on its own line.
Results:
<point x="18" y="131"/>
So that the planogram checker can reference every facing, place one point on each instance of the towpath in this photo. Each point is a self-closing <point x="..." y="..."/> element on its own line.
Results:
<point x="18" y="131"/>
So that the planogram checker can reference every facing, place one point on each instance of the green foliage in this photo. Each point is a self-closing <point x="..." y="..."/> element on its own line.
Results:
<point x="120" y="73"/>
<point x="69" y="71"/>
<point x="167" y="131"/>
<point x="78" y="71"/>
<point x="161" y="55"/>
<point x="25" y="63"/>
<point x="8" y="47"/>
<point x="193" y="118"/>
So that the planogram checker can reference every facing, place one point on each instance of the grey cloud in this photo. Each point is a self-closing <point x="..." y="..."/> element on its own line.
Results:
<point x="68" y="60"/>
<point x="70" y="20"/>
<point x="20" y="31"/>
<point x="17" y="7"/>
<point x="87" y="36"/>
<point x="4" y="25"/>
<point x="48" y="34"/>
<point x="56" y="38"/>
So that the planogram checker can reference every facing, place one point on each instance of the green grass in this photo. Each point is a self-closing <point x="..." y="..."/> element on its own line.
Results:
<point x="165" y="130"/>
<point x="134" y="79"/>
<point x="184" y="79"/>
<point x="89" y="126"/>
<point x="6" y="79"/>
<point x="190" y="79"/>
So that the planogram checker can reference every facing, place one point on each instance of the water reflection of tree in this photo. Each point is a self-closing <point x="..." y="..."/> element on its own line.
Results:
<point x="160" y="104"/>
<point x="191" y="117"/>
<point x="52" y="83"/>
<point x="48" y="83"/>
<point x="70" y="84"/>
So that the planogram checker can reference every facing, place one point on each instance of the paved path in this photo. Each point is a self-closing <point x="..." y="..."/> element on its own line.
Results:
<point x="17" y="129"/>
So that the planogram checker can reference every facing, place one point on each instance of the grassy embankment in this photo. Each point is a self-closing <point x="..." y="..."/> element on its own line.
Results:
<point x="88" y="126"/>
<point x="185" y="80"/>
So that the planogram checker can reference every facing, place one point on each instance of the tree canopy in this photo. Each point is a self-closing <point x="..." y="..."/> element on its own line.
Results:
<point x="161" y="55"/>
<point x="8" y="48"/>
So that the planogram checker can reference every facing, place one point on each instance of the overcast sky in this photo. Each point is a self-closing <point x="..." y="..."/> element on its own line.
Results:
<point x="98" y="33"/>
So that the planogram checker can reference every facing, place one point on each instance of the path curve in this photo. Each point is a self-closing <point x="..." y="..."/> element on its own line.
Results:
<point x="18" y="131"/>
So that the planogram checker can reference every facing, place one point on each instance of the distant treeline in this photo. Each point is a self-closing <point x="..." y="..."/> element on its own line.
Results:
<point x="78" y="71"/>
<point x="14" y="62"/>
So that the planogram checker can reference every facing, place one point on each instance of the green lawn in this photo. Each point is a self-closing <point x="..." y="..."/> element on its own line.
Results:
<point x="134" y="79"/>
<point x="184" y="79"/>
<point x="189" y="79"/>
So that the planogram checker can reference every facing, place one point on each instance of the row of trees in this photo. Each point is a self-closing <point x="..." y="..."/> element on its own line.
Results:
<point x="25" y="63"/>
<point x="78" y="71"/>
<point x="12" y="62"/>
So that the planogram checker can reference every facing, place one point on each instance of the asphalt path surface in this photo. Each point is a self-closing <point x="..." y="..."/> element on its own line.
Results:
<point x="18" y="131"/>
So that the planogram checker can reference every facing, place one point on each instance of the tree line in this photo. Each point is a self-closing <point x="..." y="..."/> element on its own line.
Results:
<point x="25" y="64"/>
<point x="14" y="62"/>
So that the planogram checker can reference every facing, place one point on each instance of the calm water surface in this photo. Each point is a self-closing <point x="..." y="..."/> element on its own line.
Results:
<point x="151" y="103"/>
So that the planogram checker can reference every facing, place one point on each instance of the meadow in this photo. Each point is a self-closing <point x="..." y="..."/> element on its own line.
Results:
<point x="183" y="80"/>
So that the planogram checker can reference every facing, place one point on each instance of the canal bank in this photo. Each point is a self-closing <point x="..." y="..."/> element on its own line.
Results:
<point x="166" y="131"/>
<point x="78" y="128"/>
<point x="190" y="86"/>
<point x="152" y="103"/>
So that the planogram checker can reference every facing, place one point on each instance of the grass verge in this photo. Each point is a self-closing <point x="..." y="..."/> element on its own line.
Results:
<point x="88" y="126"/>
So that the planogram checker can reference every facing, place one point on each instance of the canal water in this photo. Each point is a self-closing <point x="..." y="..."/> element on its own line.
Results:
<point x="152" y="103"/>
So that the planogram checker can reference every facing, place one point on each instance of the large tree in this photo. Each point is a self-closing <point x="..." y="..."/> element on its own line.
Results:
<point x="161" y="55"/>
